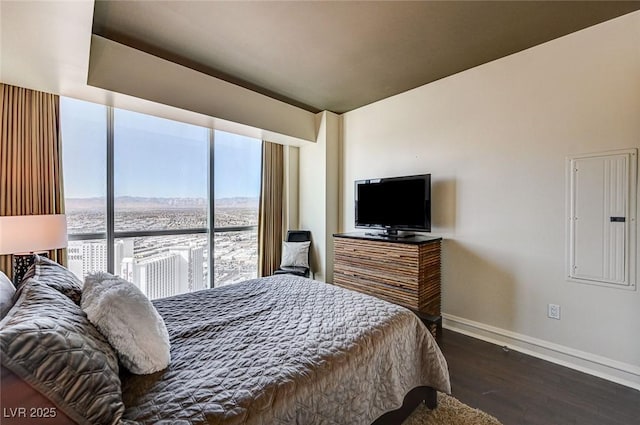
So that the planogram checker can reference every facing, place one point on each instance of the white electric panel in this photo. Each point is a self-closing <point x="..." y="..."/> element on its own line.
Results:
<point x="602" y="218"/>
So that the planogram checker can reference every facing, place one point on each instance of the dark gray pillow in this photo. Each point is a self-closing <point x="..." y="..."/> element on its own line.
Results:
<point x="54" y="275"/>
<point x="48" y="342"/>
<point x="7" y="291"/>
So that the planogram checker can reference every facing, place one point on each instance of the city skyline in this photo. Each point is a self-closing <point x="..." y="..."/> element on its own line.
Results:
<point x="235" y="253"/>
<point x="159" y="271"/>
<point x="161" y="182"/>
<point x="89" y="216"/>
<point x="162" y="198"/>
<point x="162" y="266"/>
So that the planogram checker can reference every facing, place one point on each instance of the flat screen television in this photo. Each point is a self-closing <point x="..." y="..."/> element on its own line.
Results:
<point x="394" y="203"/>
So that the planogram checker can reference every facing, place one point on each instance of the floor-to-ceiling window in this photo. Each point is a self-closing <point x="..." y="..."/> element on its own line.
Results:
<point x="237" y="191"/>
<point x="141" y="193"/>
<point x="84" y="162"/>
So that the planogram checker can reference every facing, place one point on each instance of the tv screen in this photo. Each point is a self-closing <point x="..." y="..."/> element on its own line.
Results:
<point x="394" y="203"/>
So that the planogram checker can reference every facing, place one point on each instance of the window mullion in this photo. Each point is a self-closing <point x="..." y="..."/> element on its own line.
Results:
<point x="167" y="232"/>
<point x="110" y="192"/>
<point x="212" y="215"/>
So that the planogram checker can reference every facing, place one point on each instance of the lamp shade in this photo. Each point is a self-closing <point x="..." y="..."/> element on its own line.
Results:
<point x="32" y="233"/>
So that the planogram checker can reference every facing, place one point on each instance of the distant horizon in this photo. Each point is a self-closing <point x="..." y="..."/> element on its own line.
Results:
<point x="158" y="203"/>
<point x="161" y="197"/>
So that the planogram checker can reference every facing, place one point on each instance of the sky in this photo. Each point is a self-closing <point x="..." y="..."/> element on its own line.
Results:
<point x="153" y="157"/>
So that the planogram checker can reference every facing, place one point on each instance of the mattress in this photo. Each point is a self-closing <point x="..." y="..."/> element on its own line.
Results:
<point x="284" y="350"/>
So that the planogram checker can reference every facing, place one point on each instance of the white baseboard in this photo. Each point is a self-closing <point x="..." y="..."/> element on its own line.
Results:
<point x="602" y="367"/>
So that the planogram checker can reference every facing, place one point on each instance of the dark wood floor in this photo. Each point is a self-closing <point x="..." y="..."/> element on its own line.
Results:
<point x="523" y="390"/>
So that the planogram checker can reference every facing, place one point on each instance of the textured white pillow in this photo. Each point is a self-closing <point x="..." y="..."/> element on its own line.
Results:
<point x="131" y="324"/>
<point x="7" y="291"/>
<point x="295" y="254"/>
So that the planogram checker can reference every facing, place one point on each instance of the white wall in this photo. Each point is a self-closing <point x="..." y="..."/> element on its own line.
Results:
<point x="291" y="190"/>
<point x="495" y="139"/>
<point x="318" y="193"/>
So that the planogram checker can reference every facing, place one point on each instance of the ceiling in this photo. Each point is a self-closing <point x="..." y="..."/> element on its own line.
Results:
<point x="338" y="56"/>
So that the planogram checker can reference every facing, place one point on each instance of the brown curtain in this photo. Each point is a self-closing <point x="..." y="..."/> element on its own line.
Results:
<point x="30" y="158"/>
<point x="270" y="209"/>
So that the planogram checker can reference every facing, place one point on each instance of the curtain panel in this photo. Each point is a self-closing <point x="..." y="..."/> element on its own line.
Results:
<point x="30" y="158"/>
<point x="270" y="210"/>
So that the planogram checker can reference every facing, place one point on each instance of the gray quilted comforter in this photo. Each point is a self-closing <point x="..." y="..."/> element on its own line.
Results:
<point x="284" y="350"/>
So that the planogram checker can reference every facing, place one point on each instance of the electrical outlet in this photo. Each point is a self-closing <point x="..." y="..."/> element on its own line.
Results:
<point x="553" y="311"/>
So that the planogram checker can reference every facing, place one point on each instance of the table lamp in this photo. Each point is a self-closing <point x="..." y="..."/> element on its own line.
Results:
<point x="25" y="235"/>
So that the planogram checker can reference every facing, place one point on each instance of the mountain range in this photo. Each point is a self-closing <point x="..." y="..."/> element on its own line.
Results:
<point x="136" y="203"/>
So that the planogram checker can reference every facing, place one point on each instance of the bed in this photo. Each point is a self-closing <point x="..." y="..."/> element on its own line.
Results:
<point x="276" y="350"/>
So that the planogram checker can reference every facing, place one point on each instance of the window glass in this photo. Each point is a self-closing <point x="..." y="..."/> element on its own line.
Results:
<point x="236" y="256"/>
<point x="237" y="193"/>
<point x="84" y="165"/>
<point x="160" y="173"/>
<point x="237" y="179"/>
<point x="161" y="185"/>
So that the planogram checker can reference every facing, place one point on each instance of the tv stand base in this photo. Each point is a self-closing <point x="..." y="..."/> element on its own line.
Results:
<point x="388" y="235"/>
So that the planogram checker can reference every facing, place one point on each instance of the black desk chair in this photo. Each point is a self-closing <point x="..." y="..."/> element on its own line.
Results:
<point x="298" y="269"/>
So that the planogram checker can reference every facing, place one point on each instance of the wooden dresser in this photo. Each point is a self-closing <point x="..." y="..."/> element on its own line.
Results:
<point x="403" y="271"/>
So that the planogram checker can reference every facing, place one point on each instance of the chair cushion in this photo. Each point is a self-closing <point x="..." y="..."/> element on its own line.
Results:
<point x="298" y="271"/>
<point x="295" y="254"/>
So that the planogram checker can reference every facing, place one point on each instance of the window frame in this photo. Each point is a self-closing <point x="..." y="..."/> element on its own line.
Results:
<point x="111" y="234"/>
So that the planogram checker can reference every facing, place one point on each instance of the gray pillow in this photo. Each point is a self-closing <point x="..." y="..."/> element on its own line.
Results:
<point x="129" y="321"/>
<point x="295" y="254"/>
<point x="54" y="275"/>
<point x="7" y="291"/>
<point x="47" y="341"/>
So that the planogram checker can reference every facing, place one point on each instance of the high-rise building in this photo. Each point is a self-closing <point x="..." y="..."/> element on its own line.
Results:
<point x="123" y="249"/>
<point x="163" y="274"/>
<point x="75" y="258"/>
<point x="192" y="258"/>
<point x="158" y="276"/>
<point x="158" y="271"/>
<point x="86" y="257"/>
<point x="95" y="254"/>
<point x="196" y="269"/>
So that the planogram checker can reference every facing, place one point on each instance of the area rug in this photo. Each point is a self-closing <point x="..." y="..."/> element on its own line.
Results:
<point x="450" y="411"/>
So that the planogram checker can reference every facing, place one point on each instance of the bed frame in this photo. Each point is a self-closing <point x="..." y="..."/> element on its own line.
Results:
<point x="20" y="394"/>
<point x="413" y="398"/>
